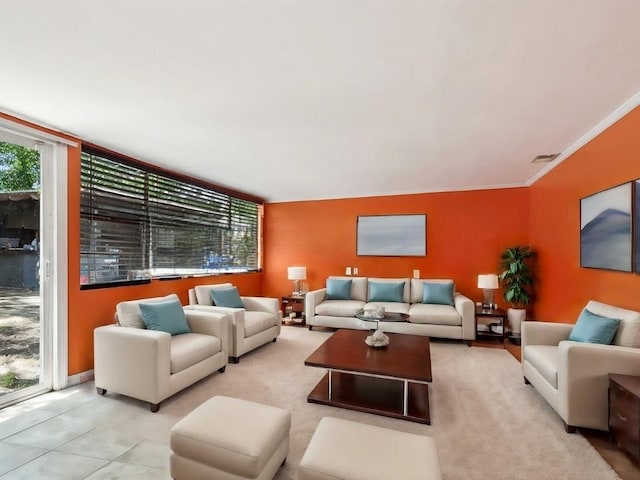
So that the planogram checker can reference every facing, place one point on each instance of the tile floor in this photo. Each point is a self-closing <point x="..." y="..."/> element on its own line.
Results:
<point x="74" y="434"/>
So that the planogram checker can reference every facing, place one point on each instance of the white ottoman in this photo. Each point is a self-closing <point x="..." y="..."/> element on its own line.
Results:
<point x="229" y="439"/>
<point x="345" y="450"/>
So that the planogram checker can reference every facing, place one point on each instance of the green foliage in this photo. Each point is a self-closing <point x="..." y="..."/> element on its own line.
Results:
<point x="516" y="276"/>
<point x="19" y="168"/>
<point x="11" y="380"/>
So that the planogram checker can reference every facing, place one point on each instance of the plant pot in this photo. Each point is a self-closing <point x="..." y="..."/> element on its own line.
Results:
<point x="516" y="316"/>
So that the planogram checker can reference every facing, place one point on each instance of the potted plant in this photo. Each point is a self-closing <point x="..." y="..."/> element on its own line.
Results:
<point x="516" y="279"/>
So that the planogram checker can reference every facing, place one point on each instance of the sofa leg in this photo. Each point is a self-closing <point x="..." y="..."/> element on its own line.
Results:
<point x="154" y="407"/>
<point x="310" y="327"/>
<point x="234" y="359"/>
<point x="222" y="369"/>
<point x="101" y="391"/>
<point x="568" y="428"/>
<point x="526" y="381"/>
<point x="469" y="343"/>
<point x="274" y="340"/>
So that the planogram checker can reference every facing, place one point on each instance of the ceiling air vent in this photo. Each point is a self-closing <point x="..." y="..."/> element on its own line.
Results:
<point x="549" y="157"/>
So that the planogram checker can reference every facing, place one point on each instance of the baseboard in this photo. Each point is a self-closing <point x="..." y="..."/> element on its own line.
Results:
<point x="79" y="378"/>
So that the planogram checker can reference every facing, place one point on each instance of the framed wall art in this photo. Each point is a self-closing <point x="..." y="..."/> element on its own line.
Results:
<point x="606" y="229"/>
<point x="392" y="235"/>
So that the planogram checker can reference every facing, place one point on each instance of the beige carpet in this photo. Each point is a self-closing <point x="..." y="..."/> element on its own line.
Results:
<point x="487" y="423"/>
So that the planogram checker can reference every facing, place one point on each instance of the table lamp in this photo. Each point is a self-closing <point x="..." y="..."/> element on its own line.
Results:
<point x="488" y="283"/>
<point x="296" y="274"/>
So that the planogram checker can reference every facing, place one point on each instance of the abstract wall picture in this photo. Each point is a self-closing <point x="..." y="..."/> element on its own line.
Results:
<point x="605" y="229"/>
<point x="392" y="235"/>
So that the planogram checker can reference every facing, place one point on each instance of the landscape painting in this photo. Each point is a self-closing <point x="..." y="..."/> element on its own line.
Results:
<point x="392" y="235"/>
<point x="605" y="229"/>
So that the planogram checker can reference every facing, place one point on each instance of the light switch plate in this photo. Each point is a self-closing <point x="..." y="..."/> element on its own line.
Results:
<point x="348" y="271"/>
<point x="416" y="274"/>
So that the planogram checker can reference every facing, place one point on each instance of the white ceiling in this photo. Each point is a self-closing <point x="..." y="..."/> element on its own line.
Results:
<point x="310" y="99"/>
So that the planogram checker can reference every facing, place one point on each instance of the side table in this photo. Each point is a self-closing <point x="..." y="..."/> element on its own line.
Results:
<point x="624" y="413"/>
<point x="497" y="314"/>
<point x="293" y="304"/>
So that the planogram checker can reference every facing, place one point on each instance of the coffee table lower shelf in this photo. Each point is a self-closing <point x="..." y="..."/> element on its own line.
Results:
<point x="380" y="396"/>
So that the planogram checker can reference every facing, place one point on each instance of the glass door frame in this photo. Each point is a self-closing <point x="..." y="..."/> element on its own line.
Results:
<point x="53" y="257"/>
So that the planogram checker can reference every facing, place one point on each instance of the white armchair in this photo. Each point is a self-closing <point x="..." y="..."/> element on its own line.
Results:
<point x="152" y="365"/>
<point x="573" y="376"/>
<point x="250" y="327"/>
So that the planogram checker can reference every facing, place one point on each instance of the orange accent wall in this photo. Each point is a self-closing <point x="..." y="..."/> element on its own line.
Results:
<point x="608" y="160"/>
<point x="466" y="232"/>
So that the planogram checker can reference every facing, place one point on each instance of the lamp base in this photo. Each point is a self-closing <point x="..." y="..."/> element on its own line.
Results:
<point x="488" y="298"/>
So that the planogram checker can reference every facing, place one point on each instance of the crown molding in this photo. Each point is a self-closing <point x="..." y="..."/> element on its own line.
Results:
<point x="609" y="120"/>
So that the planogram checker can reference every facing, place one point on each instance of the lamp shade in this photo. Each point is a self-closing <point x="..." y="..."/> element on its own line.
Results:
<point x="297" y="273"/>
<point x="488" y="281"/>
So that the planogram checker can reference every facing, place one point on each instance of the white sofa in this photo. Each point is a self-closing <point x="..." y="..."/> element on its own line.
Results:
<point x="573" y="376"/>
<point x="434" y="320"/>
<point x="152" y="365"/>
<point x="250" y="327"/>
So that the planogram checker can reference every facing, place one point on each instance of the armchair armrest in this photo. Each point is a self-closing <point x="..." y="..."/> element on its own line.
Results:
<point x="235" y="320"/>
<point x="192" y="297"/>
<point x="311" y="300"/>
<point x="116" y="349"/>
<point x="583" y="370"/>
<point x="545" y="333"/>
<point x="210" y="323"/>
<point x="261" y="304"/>
<point x="466" y="308"/>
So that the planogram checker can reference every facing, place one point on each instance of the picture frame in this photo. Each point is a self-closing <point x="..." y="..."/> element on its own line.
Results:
<point x="606" y="229"/>
<point x="392" y="235"/>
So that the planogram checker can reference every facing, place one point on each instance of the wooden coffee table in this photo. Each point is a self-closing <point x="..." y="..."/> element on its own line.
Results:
<point x="391" y="381"/>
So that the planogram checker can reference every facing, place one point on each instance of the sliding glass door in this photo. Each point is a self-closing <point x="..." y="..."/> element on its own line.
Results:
<point x="25" y="350"/>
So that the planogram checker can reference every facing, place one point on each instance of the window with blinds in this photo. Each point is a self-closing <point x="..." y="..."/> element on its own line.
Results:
<point x="137" y="224"/>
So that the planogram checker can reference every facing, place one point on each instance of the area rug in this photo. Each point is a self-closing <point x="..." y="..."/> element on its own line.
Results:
<point x="486" y="422"/>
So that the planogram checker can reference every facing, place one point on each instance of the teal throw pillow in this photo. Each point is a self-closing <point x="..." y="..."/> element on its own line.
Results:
<point x="386" y="292"/>
<point x="437" y="293"/>
<point x="338" y="289"/>
<point x="226" y="297"/>
<point x="167" y="316"/>
<point x="592" y="328"/>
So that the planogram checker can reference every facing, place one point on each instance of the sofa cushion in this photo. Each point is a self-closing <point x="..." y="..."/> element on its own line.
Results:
<point x="358" y="287"/>
<point x="256" y="322"/>
<point x="338" y="289"/>
<point x="226" y="297"/>
<point x="406" y="289"/>
<point x="386" y="292"/>
<point x="417" y="289"/>
<point x="395" y="307"/>
<point x="544" y="358"/>
<point x="191" y="348"/>
<point x="167" y="316"/>
<point x="339" y="308"/>
<point x="628" y="334"/>
<point x="434" y="314"/>
<point x="128" y="313"/>
<point x="592" y="328"/>
<point x="203" y="292"/>
<point x="437" y="293"/>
